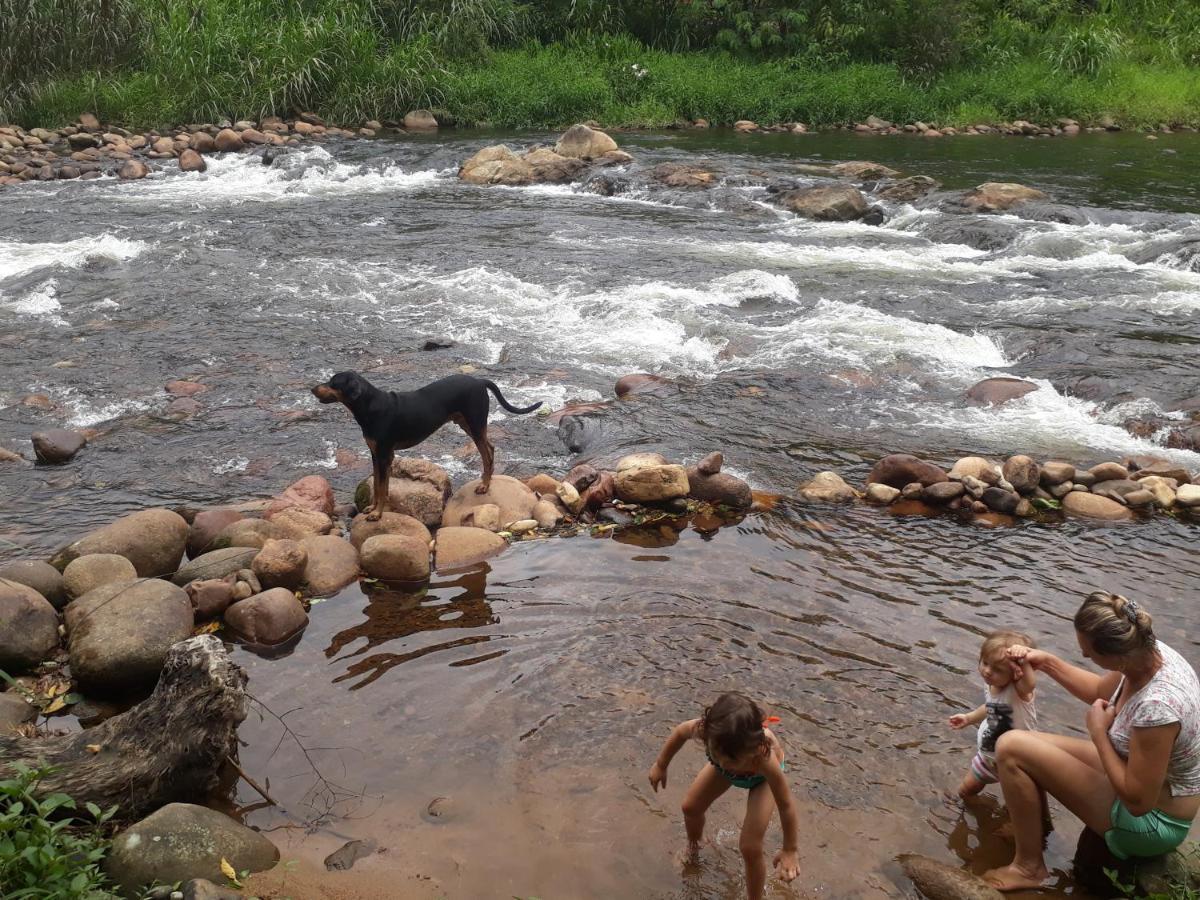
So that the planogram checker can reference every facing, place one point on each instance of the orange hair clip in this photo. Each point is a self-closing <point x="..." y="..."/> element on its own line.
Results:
<point x="772" y="720"/>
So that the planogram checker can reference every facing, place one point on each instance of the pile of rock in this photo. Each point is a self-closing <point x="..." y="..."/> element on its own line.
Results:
<point x="1063" y="127"/>
<point x="581" y="148"/>
<point x="1020" y="487"/>
<point x="87" y="149"/>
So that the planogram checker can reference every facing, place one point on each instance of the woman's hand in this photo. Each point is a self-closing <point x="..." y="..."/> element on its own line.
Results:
<point x="1035" y="659"/>
<point x="787" y="864"/>
<point x="658" y="777"/>
<point x="957" y="721"/>
<point x="1100" y="717"/>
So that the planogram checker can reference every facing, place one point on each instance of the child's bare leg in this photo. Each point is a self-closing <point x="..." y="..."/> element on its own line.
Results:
<point x="970" y="786"/>
<point x="708" y="786"/>
<point x="759" y="808"/>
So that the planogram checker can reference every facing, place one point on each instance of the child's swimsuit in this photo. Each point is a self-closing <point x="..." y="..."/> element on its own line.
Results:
<point x="741" y="781"/>
<point x="1005" y="711"/>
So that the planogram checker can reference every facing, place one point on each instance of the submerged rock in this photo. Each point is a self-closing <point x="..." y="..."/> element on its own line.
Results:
<point x="57" y="445"/>
<point x="997" y="196"/>
<point x="456" y="547"/>
<point x="938" y="881"/>
<point x="582" y="142"/>
<point x="836" y="203"/>
<point x="900" y="469"/>
<point x="995" y="391"/>
<point x="827" y="487"/>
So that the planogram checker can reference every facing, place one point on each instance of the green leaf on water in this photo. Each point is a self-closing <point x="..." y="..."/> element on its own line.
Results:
<point x="1043" y="503"/>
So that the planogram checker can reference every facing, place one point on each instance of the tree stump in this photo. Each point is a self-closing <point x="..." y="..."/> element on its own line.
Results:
<point x="166" y="749"/>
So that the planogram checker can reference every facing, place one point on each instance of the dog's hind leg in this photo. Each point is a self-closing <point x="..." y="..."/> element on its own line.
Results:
<point x="381" y="461"/>
<point x="476" y="428"/>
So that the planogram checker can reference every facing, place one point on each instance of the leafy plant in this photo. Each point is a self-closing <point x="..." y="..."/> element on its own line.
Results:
<point x="1084" y="49"/>
<point x="44" y="854"/>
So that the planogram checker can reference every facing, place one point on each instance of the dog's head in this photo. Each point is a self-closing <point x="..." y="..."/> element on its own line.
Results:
<point x="344" y="387"/>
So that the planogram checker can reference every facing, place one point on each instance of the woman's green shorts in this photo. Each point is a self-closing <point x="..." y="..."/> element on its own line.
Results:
<point x="1153" y="834"/>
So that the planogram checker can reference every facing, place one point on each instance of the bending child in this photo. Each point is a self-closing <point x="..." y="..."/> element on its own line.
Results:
<point x="742" y="752"/>
<point x="1008" y="687"/>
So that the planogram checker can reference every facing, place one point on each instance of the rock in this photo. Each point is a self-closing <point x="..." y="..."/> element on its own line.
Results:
<point x="191" y="161"/>
<point x="332" y="564"/>
<point x="938" y="881"/>
<point x="542" y="484"/>
<point x="119" y="634"/>
<point x="570" y="498"/>
<point x="745" y="126"/>
<point x="388" y="523"/>
<point x="1161" y="490"/>
<point x="682" y="176"/>
<point x="1188" y="495"/>
<point x="396" y="557"/>
<point x="524" y="526"/>
<point x="836" y="203"/>
<point x="456" y="547"/>
<point x="206" y="525"/>
<point x="420" y="120"/>
<point x="548" y="167"/>
<point x="942" y="492"/>
<point x="827" y="487"/>
<point x="643" y="383"/>
<point x="514" y="499"/>
<point x="711" y="464"/>
<point x="881" y="493"/>
<point x="496" y="165"/>
<point x="87" y="572"/>
<point x="269" y="618"/>
<point x="348" y="854"/>
<point x="1023" y="473"/>
<point x="994" y="391"/>
<point x="210" y="597"/>
<point x="180" y="842"/>
<point x="1091" y="506"/>
<point x="215" y="564"/>
<point x="203" y="889"/>
<point x="912" y="491"/>
<point x="254" y="136"/>
<point x="1175" y="874"/>
<point x="1109" y="471"/>
<point x="153" y="540"/>
<point x="975" y="467"/>
<point x="862" y="170"/>
<point x="638" y="460"/>
<point x="281" y="564"/>
<point x="546" y="515"/>
<point x="1139" y="498"/>
<point x="1085" y="478"/>
<point x="15" y="711"/>
<point x="582" y="477"/>
<point x="975" y="486"/>
<point x="1054" y="472"/>
<point x="652" y="484"/>
<point x="1117" y="489"/>
<point x="133" y="170"/>
<point x="297" y="523"/>
<point x="82" y="140"/>
<point x="417" y="488"/>
<point x="41" y="576"/>
<point x="1002" y="501"/>
<point x="7" y="456"/>
<point x="1161" y="469"/>
<point x="28" y="627"/>
<point x="600" y="492"/>
<point x="311" y="492"/>
<point x="248" y="533"/>
<point x="909" y="189"/>
<point x="228" y="140"/>
<point x="719" y="488"/>
<point x="899" y="469"/>
<point x="994" y="196"/>
<point x="485" y="515"/>
<point x="57" y="445"/>
<point x="1058" y="491"/>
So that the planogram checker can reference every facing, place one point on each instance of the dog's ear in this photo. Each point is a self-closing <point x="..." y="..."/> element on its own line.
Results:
<point x="351" y="386"/>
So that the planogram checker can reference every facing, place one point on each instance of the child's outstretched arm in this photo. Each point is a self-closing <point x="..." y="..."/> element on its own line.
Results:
<point x="680" y="735"/>
<point x="787" y="860"/>
<point x="962" y="720"/>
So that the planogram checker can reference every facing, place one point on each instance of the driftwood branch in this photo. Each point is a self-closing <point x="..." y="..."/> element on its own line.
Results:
<point x="169" y="748"/>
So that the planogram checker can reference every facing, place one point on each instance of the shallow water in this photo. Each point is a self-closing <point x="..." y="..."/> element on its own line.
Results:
<point x="534" y="696"/>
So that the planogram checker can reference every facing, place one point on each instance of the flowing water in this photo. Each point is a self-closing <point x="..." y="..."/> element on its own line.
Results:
<point x="533" y="696"/>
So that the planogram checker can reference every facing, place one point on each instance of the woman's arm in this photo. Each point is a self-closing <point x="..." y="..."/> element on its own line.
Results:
<point x="1025" y="681"/>
<point x="680" y="735"/>
<point x="1138" y="781"/>
<point x="1087" y="686"/>
<point x="787" y="860"/>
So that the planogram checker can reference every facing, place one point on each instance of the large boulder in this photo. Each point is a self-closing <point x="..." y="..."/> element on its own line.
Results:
<point x="41" y="576"/>
<point x="836" y="203"/>
<point x="496" y="165"/>
<point x="281" y="564"/>
<point x="420" y="120"/>
<point x="994" y="391"/>
<point x="998" y="196"/>
<point x="652" y="484"/>
<point x="57" y="445"/>
<point x="1023" y="473"/>
<point x="395" y="557"/>
<point x="456" y="547"/>
<point x="248" y="533"/>
<point x="549" y="167"/>
<point x="191" y="161"/>
<point x="332" y="564"/>
<point x="310" y="492"/>
<point x="863" y="170"/>
<point x="389" y="523"/>
<point x="180" y="842"/>
<point x="582" y="142"/>
<point x="1188" y="496"/>
<point x="1092" y="506"/>
<point x="210" y="597"/>
<point x="271" y="617"/>
<point x="153" y="540"/>
<point x="416" y="488"/>
<point x="827" y="487"/>
<point x="1055" y="472"/>
<point x="87" y="572"/>
<point x="28" y="627"/>
<point x="900" y="469"/>
<point x="600" y="492"/>
<point x="975" y="467"/>
<point x="513" y="498"/>
<point x="206" y="525"/>
<point x="228" y="140"/>
<point x="1109" y="471"/>
<point x="15" y="711"/>
<point x="119" y="634"/>
<point x="215" y="564"/>
<point x="906" y="190"/>
<point x="298" y="523"/>
<point x="682" y="175"/>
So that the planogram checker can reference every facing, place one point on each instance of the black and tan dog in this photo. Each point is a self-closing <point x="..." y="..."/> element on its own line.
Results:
<point x="397" y="420"/>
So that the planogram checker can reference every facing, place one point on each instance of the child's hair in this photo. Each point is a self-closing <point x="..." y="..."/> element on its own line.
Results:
<point x="1115" y="625"/>
<point x="1002" y="640"/>
<point x="733" y="725"/>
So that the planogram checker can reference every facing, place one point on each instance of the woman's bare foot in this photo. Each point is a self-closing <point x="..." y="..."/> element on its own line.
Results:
<point x="1013" y="878"/>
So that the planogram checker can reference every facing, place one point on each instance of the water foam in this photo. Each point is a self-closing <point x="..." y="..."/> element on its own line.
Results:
<point x="17" y="258"/>
<point x="41" y="302"/>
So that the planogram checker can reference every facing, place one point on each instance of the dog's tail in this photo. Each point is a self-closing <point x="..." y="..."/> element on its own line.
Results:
<point x="491" y="386"/>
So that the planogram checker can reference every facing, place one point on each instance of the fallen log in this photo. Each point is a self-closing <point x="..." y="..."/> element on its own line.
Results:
<point x="166" y="749"/>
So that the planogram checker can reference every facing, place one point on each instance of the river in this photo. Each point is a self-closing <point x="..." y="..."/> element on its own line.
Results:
<point x="534" y="695"/>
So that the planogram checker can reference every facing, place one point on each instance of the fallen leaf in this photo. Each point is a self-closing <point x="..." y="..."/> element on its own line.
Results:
<point x="228" y="871"/>
<point x="55" y="706"/>
<point x="92" y="748"/>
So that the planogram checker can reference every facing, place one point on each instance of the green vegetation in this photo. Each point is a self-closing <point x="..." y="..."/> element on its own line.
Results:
<point x="519" y="63"/>
<point x="44" y="854"/>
